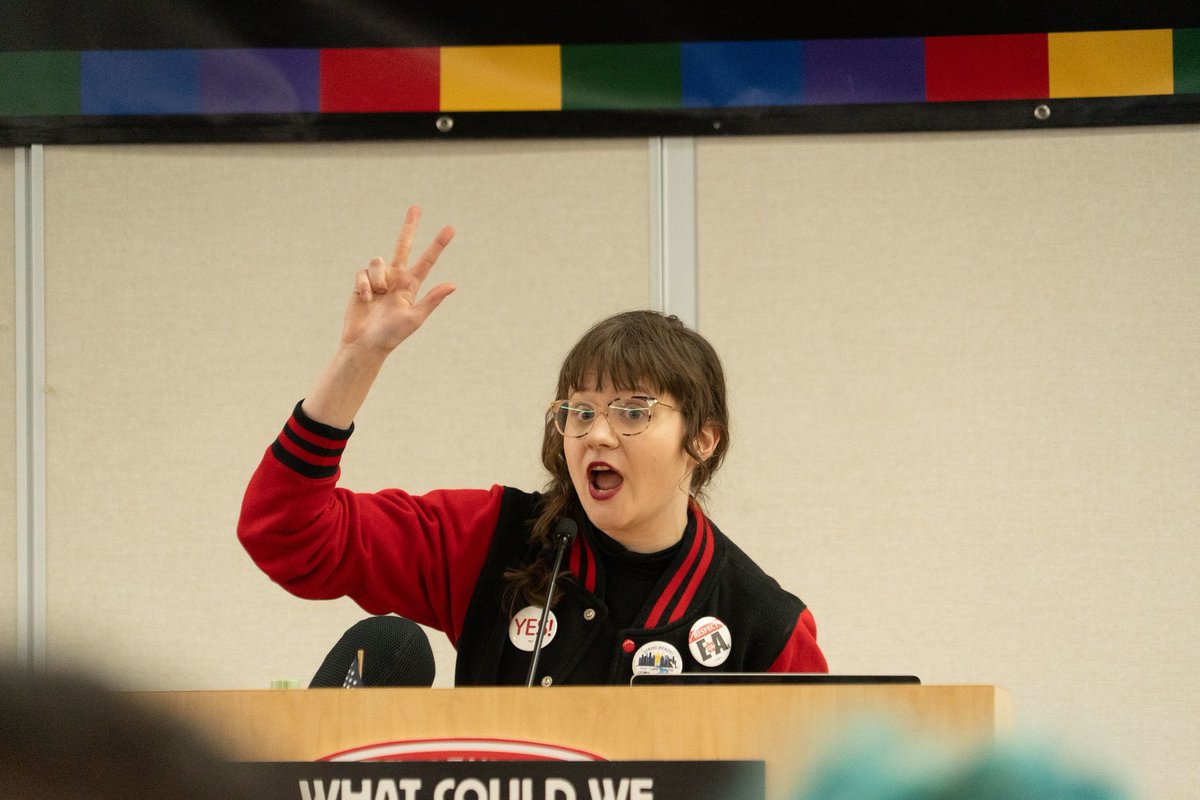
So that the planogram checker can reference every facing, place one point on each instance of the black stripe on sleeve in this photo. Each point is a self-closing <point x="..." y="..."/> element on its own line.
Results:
<point x="309" y="447"/>
<point x="305" y="468"/>
<point x="320" y="428"/>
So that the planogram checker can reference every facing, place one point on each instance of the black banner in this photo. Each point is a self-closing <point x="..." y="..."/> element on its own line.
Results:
<point x="198" y="24"/>
<point x="506" y="780"/>
<point x="104" y="71"/>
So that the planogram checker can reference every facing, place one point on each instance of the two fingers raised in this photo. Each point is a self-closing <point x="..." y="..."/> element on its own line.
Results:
<point x="379" y="276"/>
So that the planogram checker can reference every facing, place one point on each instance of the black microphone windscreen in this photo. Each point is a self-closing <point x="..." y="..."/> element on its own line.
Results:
<point x="396" y="652"/>
<point x="565" y="530"/>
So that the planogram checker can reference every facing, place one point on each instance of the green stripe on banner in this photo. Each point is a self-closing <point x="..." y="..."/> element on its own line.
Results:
<point x="621" y="76"/>
<point x="37" y="84"/>
<point x="1187" y="61"/>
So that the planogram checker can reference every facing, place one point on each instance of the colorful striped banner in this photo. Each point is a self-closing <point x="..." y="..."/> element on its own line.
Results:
<point x="707" y="75"/>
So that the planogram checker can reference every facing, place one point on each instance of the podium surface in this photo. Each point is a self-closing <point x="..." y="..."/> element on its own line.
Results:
<point x="785" y="726"/>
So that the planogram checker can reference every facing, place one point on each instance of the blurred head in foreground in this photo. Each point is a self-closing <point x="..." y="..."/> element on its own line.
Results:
<point x="879" y="765"/>
<point x="68" y="736"/>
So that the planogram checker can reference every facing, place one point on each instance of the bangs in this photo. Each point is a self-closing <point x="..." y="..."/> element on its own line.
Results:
<point x="625" y="358"/>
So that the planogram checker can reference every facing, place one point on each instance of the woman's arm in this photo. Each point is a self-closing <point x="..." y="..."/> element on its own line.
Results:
<point x="383" y="311"/>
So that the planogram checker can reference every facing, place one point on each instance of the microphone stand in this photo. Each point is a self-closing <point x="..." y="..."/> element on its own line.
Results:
<point x="565" y="533"/>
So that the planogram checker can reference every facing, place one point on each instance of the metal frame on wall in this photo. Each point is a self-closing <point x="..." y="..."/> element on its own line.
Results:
<point x="103" y="72"/>
<point x="29" y="335"/>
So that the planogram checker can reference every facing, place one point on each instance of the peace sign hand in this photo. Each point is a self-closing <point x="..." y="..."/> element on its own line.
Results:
<point x="384" y="309"/>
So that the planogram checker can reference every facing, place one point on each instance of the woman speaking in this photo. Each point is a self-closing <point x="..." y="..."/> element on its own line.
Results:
<point x="648" y="584"/>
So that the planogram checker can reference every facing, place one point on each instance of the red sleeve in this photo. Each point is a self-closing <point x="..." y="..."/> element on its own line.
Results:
<point x="801" y="653"/>
<point x="391" y="552"/>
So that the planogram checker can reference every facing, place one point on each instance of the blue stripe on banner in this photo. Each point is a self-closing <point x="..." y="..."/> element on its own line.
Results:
<point x="730" y="74"/>
<point x="140" y="82"/>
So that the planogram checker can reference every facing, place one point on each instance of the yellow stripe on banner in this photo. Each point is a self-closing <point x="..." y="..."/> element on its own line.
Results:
<point x="1111" y="63"/>
<point x="516" y="78"/>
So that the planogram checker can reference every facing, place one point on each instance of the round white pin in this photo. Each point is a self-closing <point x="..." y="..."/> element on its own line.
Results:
<point x="709" y="641"/>
<point x="657" y="658"/>
<point x="523" y="629"/>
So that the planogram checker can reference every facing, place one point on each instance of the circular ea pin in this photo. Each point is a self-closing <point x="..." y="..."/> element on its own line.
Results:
<point x="523" y="629"/>
<point x="657" y="658"/>
<point x="709" y="642"/>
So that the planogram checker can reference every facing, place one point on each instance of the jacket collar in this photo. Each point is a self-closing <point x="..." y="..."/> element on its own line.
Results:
<point x="677" y="590"/>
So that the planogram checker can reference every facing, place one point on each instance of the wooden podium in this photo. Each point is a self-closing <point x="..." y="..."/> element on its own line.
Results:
<point x="784" y="726"/>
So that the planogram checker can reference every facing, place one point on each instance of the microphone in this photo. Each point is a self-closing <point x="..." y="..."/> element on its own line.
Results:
<point x="564" y="534"/>
<point x="395" y="652"/>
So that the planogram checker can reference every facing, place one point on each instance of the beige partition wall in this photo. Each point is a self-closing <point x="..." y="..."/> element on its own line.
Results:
<point x="966" y="374"/>
<point x="193" y="293"/>
<point x="8" y="377"/>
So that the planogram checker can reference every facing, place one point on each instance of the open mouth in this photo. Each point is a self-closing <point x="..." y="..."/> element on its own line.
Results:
<point x="603" y="481"/>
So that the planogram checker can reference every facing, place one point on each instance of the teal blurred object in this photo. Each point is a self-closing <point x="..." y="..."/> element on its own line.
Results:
<point x="881" y="763"/>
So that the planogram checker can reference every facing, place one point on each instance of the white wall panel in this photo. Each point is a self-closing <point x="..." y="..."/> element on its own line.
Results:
<point x="966" y="374"/>
<point x="194" y="292"/>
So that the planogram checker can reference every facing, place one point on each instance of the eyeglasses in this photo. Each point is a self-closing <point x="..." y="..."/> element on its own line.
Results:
<point x="626" y="416"/>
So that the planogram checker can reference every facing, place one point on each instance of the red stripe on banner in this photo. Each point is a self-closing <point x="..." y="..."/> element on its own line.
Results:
<point x="1003" y="67"/>
<point x="707" y="536"/>
<point x="380" y="79"/>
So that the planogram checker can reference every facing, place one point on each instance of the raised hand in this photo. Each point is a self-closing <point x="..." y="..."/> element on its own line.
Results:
<point x="385" y="309"/>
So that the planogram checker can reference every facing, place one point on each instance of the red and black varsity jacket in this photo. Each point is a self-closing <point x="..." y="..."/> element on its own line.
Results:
<point x="439" y="559"/>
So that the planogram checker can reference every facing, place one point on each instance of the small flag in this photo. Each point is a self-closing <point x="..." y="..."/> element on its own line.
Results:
<point x="354" y="674"/>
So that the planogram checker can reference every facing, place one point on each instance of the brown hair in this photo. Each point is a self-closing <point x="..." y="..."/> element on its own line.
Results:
<point x="633" y="349"/>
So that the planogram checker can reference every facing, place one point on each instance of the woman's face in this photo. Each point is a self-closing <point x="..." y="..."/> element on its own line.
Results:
<point x="634" y="488"/>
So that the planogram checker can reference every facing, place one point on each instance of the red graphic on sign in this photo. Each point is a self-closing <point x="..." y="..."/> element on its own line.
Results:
<point x="462" y="750"/>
